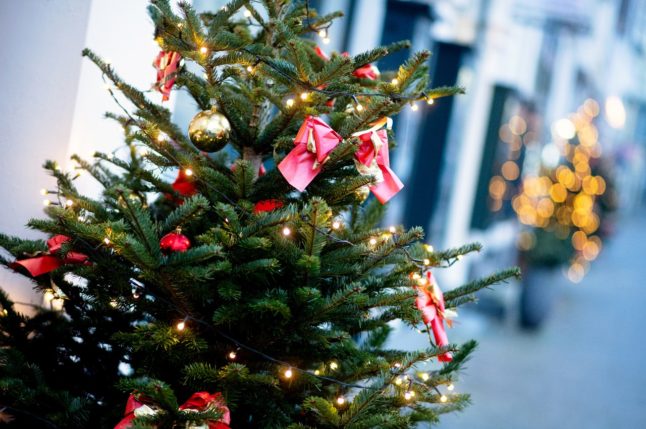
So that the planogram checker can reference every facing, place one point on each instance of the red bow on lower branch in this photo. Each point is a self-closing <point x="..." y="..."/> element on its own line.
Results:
<point x="49" y="262"/>
<point x="430" y="301"/>
<point x="199" y="401"/>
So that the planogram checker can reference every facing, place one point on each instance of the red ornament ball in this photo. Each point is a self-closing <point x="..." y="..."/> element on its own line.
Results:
<point x="174" y="242"/>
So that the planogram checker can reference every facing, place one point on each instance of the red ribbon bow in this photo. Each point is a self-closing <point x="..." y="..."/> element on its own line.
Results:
<point x="166" y="64"/>
<point x="199" y="401"/>
<point x="44" y="264"/>
<point x="430" y="301"/>
<point x="372" y="159"/>
<point x="267" y="206"/>
<point x="314" y="142"/>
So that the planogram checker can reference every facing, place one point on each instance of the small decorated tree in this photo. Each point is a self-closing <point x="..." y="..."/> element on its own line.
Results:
<point x="241" y="295"/>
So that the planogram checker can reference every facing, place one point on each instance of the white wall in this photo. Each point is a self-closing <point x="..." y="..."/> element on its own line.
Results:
<point x="53" y="102"/>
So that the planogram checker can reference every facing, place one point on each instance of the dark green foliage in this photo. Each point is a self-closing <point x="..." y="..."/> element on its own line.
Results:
<point x="307" y="297"/>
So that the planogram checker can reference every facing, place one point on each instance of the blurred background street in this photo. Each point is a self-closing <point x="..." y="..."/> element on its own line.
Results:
<point x="585" y="369"/>
<point x="542" y="161"/>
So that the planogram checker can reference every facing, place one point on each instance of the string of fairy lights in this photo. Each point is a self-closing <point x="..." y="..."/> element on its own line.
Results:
<point x="288" y="371"/>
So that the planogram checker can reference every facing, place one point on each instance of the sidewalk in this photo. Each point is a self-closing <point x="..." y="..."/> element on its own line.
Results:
<point x="586" y="368"/>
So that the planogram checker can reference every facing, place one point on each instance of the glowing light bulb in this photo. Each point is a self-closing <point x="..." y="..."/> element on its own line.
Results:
<point x="322" y="33"/>
<point x="180" y="25"/>
<point x="232" y="355"/>
<point x="161" y="137"/>
<point x="414" y="107"/>
<point x="188" y="172"/>
<point x="304" y="95"/>
<point x="114" y="303"/>
<point x="450" y="387"/>
<point x="408" y="396"/>
<point x="289" y="102"/>
<point x="69" y="203"/>
<point x="340" y="400"/>
<point x="336" y="224"/>
<point x="247" y="13"/>
<point x="427" y="261"/>
<point x="46" y="202"/>
<point x="416" y="276"/>
<point x="288" y="373"/>
<point x="425" y="376"/>
<point x="143" y="151"/>
<point x="286" y="231"/>
<point x="373" y="241"/>
<point x="106" y="240"/>
<point x="398" y="381"/>
<point x="180" y="326"/>
<point x="394" y="82"/>
<point x="249" y="69"/>
<point x="107" y="87"/>
<point x="392" y="229"/>
<point x="43" y="191"/>
<point x="443" y="398"/>
<point x="334" y="365"/>
<point x="326" y="40"/>
<point x="317" y="372"/>
<point x="430" y="101"/>
<point x="204" y="50"/>
<point x="359" y="107"/>
<point x="459" y="257"/>
<point x="428" y="248"/>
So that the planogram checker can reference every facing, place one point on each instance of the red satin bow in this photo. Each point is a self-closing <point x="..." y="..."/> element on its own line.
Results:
<point x="372" y="159"/>
<point x="44" y="264"/>
<point x="166" y="64"/>
<point x="430" y="301"/>
<point x="184" y="185"/>
<point x="367" y="71"/>
<point x="199" y="401"/>
<point x="314" y="142"/>
<point x="267" y="206"/>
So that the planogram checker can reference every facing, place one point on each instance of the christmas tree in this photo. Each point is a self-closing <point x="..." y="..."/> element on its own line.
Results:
<point x="240" y="295"/>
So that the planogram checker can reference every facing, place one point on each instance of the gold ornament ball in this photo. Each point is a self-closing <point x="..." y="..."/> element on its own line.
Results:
<point x="209" y="130"/>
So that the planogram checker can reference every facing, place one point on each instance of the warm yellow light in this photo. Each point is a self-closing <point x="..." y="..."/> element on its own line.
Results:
<point x="428" y="248"/>
<point x="340" y="400"/>
<point x="69" y="203"/>
<point x="336" y="224"/>
<point x="414" y="107"/>
<point x="517" y="125"/>
<point x="392" y="230"/>
<point x="106" y="240"/>
<point x="286" y="231"/>
<point x="373" y="241"/>
<point x="304" y="95"/>
<point x="143" y="152"/>
<point x="232" y="355"/>
<point x="204" y="50"/>
<point x="288" y="373"/>
<point x="416" y="276"/>
<point x="450" y="387"/>
<point x="188" y="172"/>
<point x="395" y="82"/>
<point x="322" y="33"/>
<point x="430" y="101"/>
<point x="46" y="202"/>
<point x="443" y="398"/>
<point x="408" y="396"/>
<point x="427" y="261"/>
<point x="247" y="13"/>
<point x="180" y="326"/>
<point x="289" y="102"/>
<point x="459" y="257"/>
<point x="317" y="372"/>
<point x="510" y="170"/>
<point x="43" y="191"/>
<point x="398" y="381"/>
<point x="114" y="303"/>
<point x="359" y="107"/>
<point x="326" y="40"/>
<point x="334" y="365"/>
<point x="249" y="69"/>
<point x="425" y="376"/>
